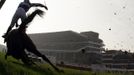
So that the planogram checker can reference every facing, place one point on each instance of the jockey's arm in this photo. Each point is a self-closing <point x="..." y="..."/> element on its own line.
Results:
<point x="38" y="5"/>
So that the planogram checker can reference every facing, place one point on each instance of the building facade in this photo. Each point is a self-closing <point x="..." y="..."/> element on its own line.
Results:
<point x="69" y="47"/>
<point x="117" y="60"/>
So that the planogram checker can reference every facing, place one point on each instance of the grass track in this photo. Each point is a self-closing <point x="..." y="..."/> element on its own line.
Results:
<point x="15" y="67"/>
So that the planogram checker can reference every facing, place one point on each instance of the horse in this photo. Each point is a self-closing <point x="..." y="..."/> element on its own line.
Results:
<point x="18" y="41"/>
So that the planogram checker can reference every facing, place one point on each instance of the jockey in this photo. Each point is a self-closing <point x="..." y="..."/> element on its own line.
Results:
<point x="21" y="13"/>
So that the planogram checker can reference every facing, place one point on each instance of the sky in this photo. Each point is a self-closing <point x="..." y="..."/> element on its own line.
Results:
<point x="112" y="19"/>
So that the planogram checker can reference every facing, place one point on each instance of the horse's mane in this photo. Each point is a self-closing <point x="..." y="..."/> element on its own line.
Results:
<point x="29" y="19"/>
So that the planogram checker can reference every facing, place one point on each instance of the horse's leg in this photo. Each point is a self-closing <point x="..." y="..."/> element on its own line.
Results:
<point x="25" y="59"/>
<point x="32" y="48"/>
<point x="7" y="54"/>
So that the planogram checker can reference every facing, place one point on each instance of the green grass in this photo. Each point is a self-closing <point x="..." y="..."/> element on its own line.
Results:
<point x="15" y="67"/>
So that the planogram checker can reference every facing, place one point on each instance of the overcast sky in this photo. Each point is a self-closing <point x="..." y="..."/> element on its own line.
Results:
<point x="82" y="15"/>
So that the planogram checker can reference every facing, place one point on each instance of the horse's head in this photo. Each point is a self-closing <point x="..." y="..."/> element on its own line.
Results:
<point x="24" y="24"/>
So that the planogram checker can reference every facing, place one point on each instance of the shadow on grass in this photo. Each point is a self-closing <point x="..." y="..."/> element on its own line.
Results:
<point x="3" y="69"/>
<point x="36" y="68"/>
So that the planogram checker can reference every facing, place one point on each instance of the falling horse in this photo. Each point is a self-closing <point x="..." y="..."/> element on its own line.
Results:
<point x="17" y="41"/>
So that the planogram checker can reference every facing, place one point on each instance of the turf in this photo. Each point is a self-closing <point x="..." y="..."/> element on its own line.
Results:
<point x="15" y="67"/>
